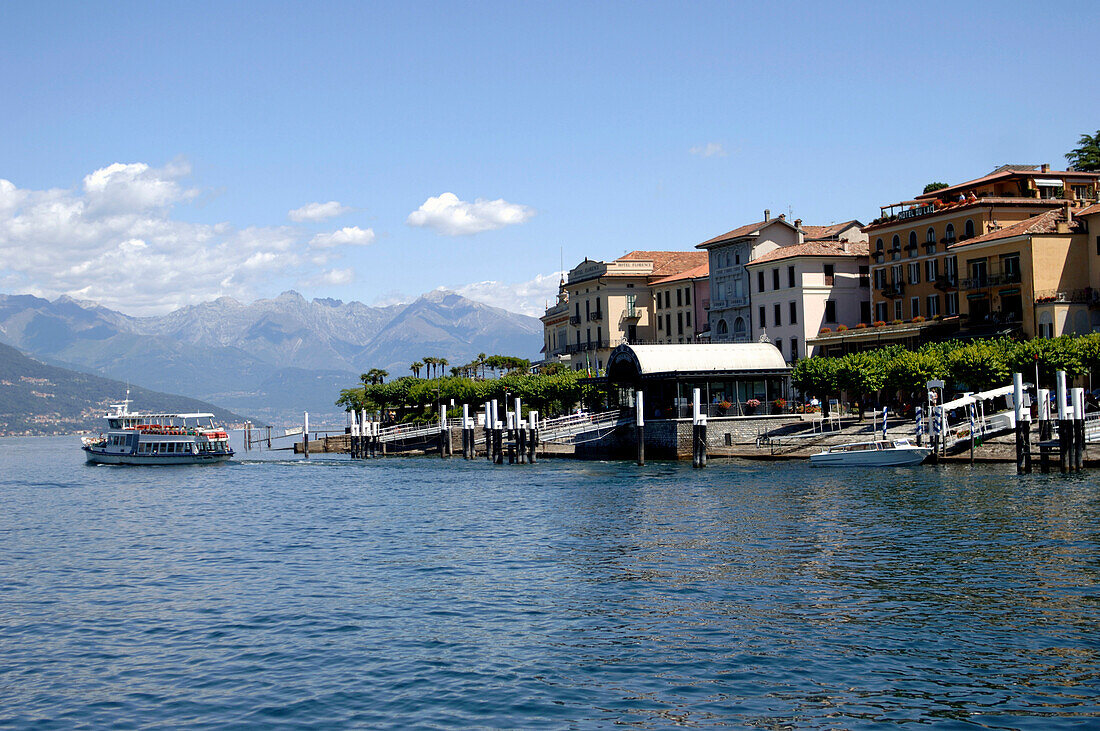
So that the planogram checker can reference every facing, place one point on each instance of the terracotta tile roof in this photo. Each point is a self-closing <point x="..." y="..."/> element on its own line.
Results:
<point x="1044" y="223"/>
<point x="667" y="263"/>
<point x="1089" y="210"/>
<point x="818" y="233"/>
<point x="703" y="270"/>
<point x="736" y="233"/>
<point x="813" y="248"/>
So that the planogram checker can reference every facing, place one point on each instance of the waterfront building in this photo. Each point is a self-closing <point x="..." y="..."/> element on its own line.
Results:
<point x="729" y="313"/>
<point x="611" y="302"/>
<point x="924" y="285"/>
<point x="729" y="375"/>
<point x="799" y="290"/>
<point x="555" y="328"/>
<point x="679" y="306"/>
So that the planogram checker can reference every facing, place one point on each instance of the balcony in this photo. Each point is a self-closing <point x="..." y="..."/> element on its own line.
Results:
<point x="632" y="313"/>
<point x="1084" y="296"/>
<point x="741" y="301"/>
<point x="595" y="316"/>
<point x="994" y="279"/>
<point x="717" y="304"/>
<point x="945" y="282"/>
<point x="893" y="289"/>
<point x="575" y="320"/>
<point x="588" y="345"/>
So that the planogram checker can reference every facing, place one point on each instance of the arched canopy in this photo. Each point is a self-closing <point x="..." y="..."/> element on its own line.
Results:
<point x="633" y="363"/>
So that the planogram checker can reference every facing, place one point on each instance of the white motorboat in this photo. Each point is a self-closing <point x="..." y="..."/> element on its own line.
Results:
<point x="880" y="453"/>
<point x="157" y="439"/>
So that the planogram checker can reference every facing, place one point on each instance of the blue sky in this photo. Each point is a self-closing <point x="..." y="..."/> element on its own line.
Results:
<point x="588" y="129"/>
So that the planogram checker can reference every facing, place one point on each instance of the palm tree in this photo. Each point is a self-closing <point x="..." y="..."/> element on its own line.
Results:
<point x="415" y="368"/>
<point x="481" y="362"/>
<point x="429" y="361"/>
<point x="374" y="376"/>
<point x="382" y="373"/>
<point x="442" y="363"/>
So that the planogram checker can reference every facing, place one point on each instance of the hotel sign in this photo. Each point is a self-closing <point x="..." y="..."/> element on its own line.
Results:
<point x="914" y="212"/>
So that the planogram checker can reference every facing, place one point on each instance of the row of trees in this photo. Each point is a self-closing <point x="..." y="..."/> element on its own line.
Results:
<point x="974" y="366"/>
<point x="411" y="397"/>
<point x="436" y="367"/>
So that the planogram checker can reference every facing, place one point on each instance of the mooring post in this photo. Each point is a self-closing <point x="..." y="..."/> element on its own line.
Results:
<point x="353" y="445"/>
<point x="934" y="424"/>
<point x="1043" y="414"/>
<point x="639" y="425"/>
<point x="698" y="431"/>
<point x="1065" y="428"/>
<point x="305" y="435"/>
<point x="533" y="439"/>
<point x="1078" y="429"/>
<point x="489" y="430"/>
<point x="1027" y="441"/>
<point x="1018" y="407"/>
<point x="443" y="436"/>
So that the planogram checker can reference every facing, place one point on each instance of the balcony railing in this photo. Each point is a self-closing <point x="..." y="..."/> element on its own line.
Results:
<point x="574" y="319"/>
<point x="588" y="345"/>
<point x="945" y="282"/>
<point x="717" y="304"/>
<point x="1071" y="296"/>
<point x="741" y="301"/>
<point x="893" y="289"/>
<point x="995" y="279"/>
<point x="595" y="316"/>
<point x="632" y="313"/>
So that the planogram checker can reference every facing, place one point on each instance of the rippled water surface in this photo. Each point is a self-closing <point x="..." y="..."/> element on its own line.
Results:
<point x="406" y="592"/>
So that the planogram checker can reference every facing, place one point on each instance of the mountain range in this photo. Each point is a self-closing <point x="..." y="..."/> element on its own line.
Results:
<point x="36" y="398"/>
<point x="271" y="359"/>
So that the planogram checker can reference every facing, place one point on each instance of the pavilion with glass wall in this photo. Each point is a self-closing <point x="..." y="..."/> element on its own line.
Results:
<point x="730" y="377"/>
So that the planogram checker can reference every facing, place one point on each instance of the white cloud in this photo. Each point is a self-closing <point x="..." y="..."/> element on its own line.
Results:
<point x="114" y="240"/>
<point x="528" y="298"/>
<point x="318" y="211"/>
<point x="711" y="149"/>
<point x="330" y="278"/>
<point x="448" y="215"/>
<point x="349" y="236"/>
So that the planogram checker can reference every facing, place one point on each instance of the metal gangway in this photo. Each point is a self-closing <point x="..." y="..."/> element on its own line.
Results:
<point x="984" y="424"/>
<point x="566" y="429"/>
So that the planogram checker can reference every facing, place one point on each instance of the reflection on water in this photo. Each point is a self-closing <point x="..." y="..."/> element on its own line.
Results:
<point x="411" y="591"/>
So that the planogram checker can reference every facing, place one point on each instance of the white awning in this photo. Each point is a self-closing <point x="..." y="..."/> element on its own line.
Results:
<point x="1049" y="182"/>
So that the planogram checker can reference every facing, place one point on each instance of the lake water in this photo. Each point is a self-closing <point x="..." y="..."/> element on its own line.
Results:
<point x="404" y="592"/>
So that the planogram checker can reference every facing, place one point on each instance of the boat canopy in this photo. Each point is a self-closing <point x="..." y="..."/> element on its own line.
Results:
<point x="974" y="398"/>
<point x="632" y="362"/>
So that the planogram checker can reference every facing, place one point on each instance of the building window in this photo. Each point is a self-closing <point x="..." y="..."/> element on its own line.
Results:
<point x="668" y="324"/>
<point x="896" y="279"/>
<point x="951" y="267"/>
<point x="739" y="330"/>
<point x="722" y="327"/>
<point x="668" y="298"/>
<point x="897" y="310"/>
<point x="933" y="305"/>
<point x="790" y="276"/>
<point x="1098" y="245"/>
<point x="914" y="307"/>
<point x="794" y="313"/>
<point x="760" y="281"/>
<point x="775" y="313"/>
<point x="952" y="303"/>
<point x="679" y="323"/>
<point x="914" y="273"/>
<point x="829" y="275"/>
<point x="679" y="298"/>
<point x="687" y="318"/>
<point x="930" y="236"/>
<point x="968" y="228"/>
<point x="763" y="321"/>
<point x="931" y="270"/>
<point x="880" y="311"/>
<point x="830" y="310"/>
<point x="1046" y="325"/>
<point x="659" y="324"/>
<point x="912" y="242"/>
<point x="949" y="234"/>
<point x="880" y="278"/>
<point x="779" y="346"/>
<point x="878" y="244"/>
<point x="775" y="279"/>
<point x="895" y="243"/>
<point x="737" y="258"/>
<point x="794" y="349"/>
<point x="687" y="295"/>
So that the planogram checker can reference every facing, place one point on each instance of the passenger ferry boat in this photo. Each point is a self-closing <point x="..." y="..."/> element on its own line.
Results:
<point x="880" y="453"/>
<point x="147" y="439"/>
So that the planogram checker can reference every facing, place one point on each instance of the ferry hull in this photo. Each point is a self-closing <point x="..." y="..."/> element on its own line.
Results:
<point x="97" y="457"/>
<point x="872" y="458"/>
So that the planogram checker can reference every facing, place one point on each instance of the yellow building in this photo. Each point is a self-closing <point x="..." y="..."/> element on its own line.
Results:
<point x="915" y="267"/>
<point x="604" y="304"/>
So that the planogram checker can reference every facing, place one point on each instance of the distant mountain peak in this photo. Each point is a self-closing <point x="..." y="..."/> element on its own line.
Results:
<point x="328" y="302"/>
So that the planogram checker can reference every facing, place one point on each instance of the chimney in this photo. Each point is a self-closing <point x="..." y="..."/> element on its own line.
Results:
<point x="1045" y="167"/>
<point x="1067" y="213"/>
<point x="767" y="215"/>
<point x="782" y="216"/>
<point x="798" y="223"/>
<point x="844" y="245"/>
